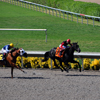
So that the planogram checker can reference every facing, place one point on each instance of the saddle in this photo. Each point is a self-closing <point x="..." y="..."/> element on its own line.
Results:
<point x="59" y="53"/>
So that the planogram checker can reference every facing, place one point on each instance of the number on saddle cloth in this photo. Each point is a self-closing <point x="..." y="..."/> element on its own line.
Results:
<point x="58" y="51"/>
<point x="1" y="56"/>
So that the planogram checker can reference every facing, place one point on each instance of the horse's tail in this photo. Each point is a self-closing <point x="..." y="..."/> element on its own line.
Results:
<point x="46" y="56"/>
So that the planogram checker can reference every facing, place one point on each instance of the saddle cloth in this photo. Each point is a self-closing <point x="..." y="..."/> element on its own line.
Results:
<point x="1" y="56"/>
<point x="58" y="50"/>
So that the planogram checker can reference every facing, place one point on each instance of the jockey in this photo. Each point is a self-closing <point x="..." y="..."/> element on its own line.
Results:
<point x="64" y="45"/>
<point x="6" y="49"/>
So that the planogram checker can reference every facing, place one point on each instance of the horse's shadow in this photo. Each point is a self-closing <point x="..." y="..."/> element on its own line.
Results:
<point x="24" y="78"/>
<point x="82" y="75"/>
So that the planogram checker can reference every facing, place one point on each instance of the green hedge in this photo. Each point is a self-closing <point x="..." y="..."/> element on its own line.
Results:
<point x="92" y="9"/>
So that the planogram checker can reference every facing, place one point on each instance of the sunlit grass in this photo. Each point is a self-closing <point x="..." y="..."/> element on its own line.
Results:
<point x="58" y="30"/>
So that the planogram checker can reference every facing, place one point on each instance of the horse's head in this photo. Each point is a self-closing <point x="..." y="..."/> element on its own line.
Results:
<point x="22" y="52"/>
<point x="76" y="47"/>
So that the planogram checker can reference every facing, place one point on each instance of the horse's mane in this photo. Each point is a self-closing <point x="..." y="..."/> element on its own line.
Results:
<point x="74" y="43"/>
<point x="14" y="49"/>
<point x="67" y="49"/>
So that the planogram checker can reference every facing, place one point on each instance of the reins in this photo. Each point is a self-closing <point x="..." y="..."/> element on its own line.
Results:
<point x="17" y="52"/>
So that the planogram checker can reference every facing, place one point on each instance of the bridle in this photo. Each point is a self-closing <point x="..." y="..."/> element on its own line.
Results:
<point x="19" y="52"/>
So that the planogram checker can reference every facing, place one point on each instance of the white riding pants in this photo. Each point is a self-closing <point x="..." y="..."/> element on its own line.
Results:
<point x="4" y="51"/>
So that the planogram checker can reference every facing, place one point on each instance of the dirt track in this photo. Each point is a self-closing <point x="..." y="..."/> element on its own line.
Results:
<point x="49" y="84"/>
<point x="93" y="1"/>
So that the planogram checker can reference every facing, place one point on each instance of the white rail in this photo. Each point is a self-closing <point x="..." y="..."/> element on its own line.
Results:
<point x="76" y="55"/>
<point x="81" y="55"/>
<point x="93" y="55"/>
<point x="11" y="29"/>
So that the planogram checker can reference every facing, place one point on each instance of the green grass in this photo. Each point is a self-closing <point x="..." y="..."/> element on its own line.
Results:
<point x="86" y="8"/>
<point x="58" y="29"/>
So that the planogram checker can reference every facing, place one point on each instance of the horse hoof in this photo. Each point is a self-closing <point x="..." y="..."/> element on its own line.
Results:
<point x="80" y="70"/>
<point x="25" y="72"/>
<point x="61" y="70"/>
<point x="67" y="70"/>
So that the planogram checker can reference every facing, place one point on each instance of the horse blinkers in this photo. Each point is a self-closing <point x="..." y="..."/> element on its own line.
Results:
<point x="23" y="53"/>
<point x="78" y="49"/>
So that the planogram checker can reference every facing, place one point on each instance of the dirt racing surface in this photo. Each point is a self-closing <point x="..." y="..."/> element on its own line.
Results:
<point x="46" y="84"/>
<point x="93" y="1"/>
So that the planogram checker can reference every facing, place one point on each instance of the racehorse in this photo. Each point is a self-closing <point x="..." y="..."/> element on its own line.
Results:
<point x="10" y="59"/>
<point x="68" y="56"/>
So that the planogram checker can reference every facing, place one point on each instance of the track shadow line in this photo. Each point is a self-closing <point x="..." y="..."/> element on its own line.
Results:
<point x="25" y="78"/>
<point x="83" y="75"/>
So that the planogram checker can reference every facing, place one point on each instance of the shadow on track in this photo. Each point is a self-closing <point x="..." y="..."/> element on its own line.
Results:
<point x="24" y="78"/>
<point x="82" y="75"/>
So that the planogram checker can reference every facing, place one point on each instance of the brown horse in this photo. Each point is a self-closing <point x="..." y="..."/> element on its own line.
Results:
<point x="10" y="59"/>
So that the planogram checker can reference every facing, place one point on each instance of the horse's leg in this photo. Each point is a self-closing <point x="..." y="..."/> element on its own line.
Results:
<point x="63" y="67"/>
<point x="66" y="63"/>
<point x="14" y="65"/>
<point x="1" y="62"/>
<point x="78" y="64"/>
<point x="11" y="72"/>
<point x="57" y="65"/>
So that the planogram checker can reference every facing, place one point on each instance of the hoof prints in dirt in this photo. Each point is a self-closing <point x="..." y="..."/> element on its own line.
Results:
<point x="49" y="85"/>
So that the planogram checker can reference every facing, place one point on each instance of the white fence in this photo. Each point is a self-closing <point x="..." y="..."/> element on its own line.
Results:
<point x="81" y="55"/>
<point x="92" y="55"/>
<point x="53" y="11"/>
<point x="76" y="55"/>
<point x="8" y="29"/>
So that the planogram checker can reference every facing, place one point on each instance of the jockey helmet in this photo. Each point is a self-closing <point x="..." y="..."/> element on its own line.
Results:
<point x="68" y="40"/>
<point x="11" y="45"/>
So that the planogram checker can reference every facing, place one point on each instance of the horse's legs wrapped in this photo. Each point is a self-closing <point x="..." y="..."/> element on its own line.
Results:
<point x="11" y="72"/>
<point x="57" y="65"/>
<point x="14" y="65"/>
<point x="66" y="63"/>
<point x="78" y="64"/>
<point x="63" y="67"/>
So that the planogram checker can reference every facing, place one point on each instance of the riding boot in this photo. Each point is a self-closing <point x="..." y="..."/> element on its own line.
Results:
<point x="4" y="59"/>
<point x="61" y="52"/>
<point x="4" y="56"/>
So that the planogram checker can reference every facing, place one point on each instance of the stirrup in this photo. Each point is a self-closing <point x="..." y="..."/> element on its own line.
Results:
<point x="3" y="58"/>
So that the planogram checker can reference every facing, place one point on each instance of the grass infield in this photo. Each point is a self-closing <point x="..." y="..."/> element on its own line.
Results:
<point x="58" y="29"/>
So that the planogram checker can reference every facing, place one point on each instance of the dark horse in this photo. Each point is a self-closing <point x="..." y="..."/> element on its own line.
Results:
<point x="68" y="56"/>
<point x="10" y="59"/>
